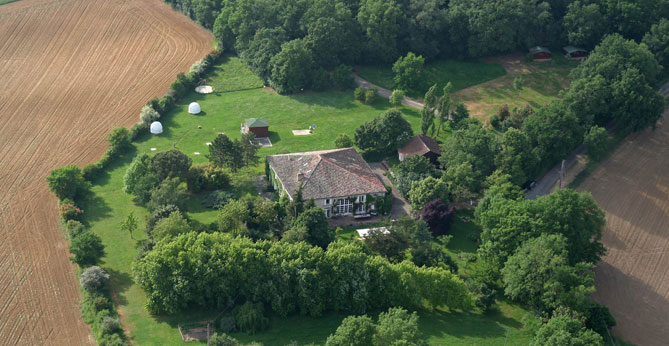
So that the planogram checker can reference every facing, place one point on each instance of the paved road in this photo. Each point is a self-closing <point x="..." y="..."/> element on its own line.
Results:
<point x="385" y="92"/>
<point x="546" y="182"/>
<point x="400" y="206"/>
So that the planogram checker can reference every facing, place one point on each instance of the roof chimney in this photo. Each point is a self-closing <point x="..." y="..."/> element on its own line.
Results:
<point x="300" y="176"/>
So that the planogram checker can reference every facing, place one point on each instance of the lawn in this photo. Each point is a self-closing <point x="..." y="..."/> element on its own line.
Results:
<point x="542" y="83"/>
<point x="461" y="74"/>
<point x="239" y="94"/>
<point x="2" y="2"/>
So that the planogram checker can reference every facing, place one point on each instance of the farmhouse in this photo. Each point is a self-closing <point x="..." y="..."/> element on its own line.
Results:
<point x="420" y="145"/>
<point x="574" y="53"/>
<point x="257" y="126"/>
<point x="339" y="180"/>
<point x="540" y="53"/>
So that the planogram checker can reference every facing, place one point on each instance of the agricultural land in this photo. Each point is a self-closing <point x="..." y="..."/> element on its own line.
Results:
<point x="70" y="71"/>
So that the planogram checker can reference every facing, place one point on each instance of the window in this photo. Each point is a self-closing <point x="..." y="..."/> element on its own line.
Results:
<point x="344" y="206"/>
<point x="327" y="201"/>
<point x="327" y="212"/>
<point x="360" y="209"/>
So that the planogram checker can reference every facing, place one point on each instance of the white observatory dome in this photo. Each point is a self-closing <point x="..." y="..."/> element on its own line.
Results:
<point x="156" y="128"/>
<point x="194" y="108"/>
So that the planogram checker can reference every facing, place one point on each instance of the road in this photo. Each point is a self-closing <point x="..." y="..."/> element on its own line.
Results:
<point x="400" y="206"/>
<point x="383" y="92"/>
<point x="546" y="182"/>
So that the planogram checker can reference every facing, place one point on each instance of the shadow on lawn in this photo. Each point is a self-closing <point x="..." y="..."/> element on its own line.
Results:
<point x="120" y="282"/>
<point x="465" y="324"/>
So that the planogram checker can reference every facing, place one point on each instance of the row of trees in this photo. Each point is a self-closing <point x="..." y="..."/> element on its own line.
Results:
<point x="291" y="44"/>
<point x="218" y="270"/>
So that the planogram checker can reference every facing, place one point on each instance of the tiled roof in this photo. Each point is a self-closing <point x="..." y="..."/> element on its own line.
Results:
<point x="419" y="145"/>
<point x="326" y="173"/>
<point x="256" y="122"/>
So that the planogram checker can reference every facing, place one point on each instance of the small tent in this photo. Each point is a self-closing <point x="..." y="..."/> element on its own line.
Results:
<point x="194" y="108"/>
<point x="156" y="128"/>
<point x="539" y="53"/>
<point x="574" y="53"/>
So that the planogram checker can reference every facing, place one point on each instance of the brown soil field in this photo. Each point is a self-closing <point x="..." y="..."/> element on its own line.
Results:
<point x="632" y="187"/>
<point x="70" y="71"/>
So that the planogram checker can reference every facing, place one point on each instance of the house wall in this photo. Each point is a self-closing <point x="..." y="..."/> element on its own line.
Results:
<point x="260" y="131"/>
<point x="333" y="204"/>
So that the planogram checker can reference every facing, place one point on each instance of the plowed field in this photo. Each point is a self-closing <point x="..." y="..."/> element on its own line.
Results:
<point x="70" y="71"/>
<point x="632" y="187"/>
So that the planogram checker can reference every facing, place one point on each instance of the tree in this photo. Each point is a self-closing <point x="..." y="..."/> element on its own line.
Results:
<point x="444" y="106"/>
<point x="265" y="44"/>
<point x="292" y="67"/>
<point x="397" y="327"/>
<point x="248" y="148"/>
<point x="138" y="169"/>
<point x="657" y="40"/>
<point x="343" y="77"/>
<point x="396" y="98"/>
<point x="68" y="182"/>
<point x="380" y="21"/>
<point x="597" y="142"/>
<point x="371" y="95"/>
<point x="553" y="132"/>
<point x="516" y="157"/>
<point x="170" y="227"/>
<point x="538" y="274"/>
<point x="148" y="115"/>
<point x="459" y="114"/>
<point x="411" y="169"/>
<point x="129" y="224"/>
<point x="316" y="224"/>
<point x="427" y="190"/>
<point x="563" y="330"/>
<point x="86" y="249"/>
<point x="353" y="331"/>
<point x="384" y="133"/>
<point x="585" y="24"/>
<point x="427" y="113"/>
<point x="93" y="278"/>
<point x="439" y="216"/>
<point x="343" y="141"/>
<point x="390" y="244"/>
<point x="224" y="153"/>
<point x="170" y="191"/>
<point x="233" y="217"/>
<point x="119" y="140"/>
<point x="408" y="71"/>
<point x="170" y="164"/>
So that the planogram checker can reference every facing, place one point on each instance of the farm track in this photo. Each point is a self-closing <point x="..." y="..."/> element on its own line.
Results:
<point x="70" y="71"/>
<point x="632" y="187"/>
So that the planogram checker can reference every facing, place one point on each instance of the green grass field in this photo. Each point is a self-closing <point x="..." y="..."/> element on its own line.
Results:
<point x="239" y="94"/>
<point x="461" y="74"/>
<point x="2" y="2"/>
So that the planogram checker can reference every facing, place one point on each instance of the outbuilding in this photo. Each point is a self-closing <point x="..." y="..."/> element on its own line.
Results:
<point x="539" y="53"/>
<point x="257" y="126"/>
<point x="574" y="53"/>
<point x="420" y="145"/>
<point x="194" y="108"/>
<point x="156" y="128"/>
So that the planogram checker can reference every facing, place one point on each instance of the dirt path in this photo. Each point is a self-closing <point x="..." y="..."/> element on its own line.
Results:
<point x="632" y="187"/>
<point x="385" y="93"/>
<point x="70" y="71"/>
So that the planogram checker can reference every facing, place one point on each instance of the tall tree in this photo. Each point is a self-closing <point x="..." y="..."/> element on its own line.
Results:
<point x="170" y="164"/>
<point x="381" y="23"/>
<point x="444" y="106"/>
<point x="224" y="153"/>
<point x="408" y="71"/>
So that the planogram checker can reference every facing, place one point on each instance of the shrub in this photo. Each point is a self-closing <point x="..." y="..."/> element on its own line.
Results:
<point x="439" y="216"/>
<point x="518" y="83"/>
<point x="206" y="178"/>
<point x="199" y="67"/>
<point x="166" y="103"/>
<point x="169" y="191"/>
<point x="68" y="210"/>
<point x="68" y="182"/>
<point x="343" y="141"/>
<point x="222" y="339"/>
<point x="371" y="95"/>
<point x="494" y="121"/>
<point x="195" y="179"/>
<point x="92" y="171"/>
<point x="101" y="303"/>
<point x="217" y="199"/>
<point x="250" y="317"/>
<point x="158" y="214"/>
<point x="86" y="249"/>
<point x="396" y="98"/>
<point x="138" y="129"/>
<point x="93" y="278"/>
<point x="342" y="77"/>
<point x="170" y="226"/>
<point x="226" y="324"/>
<point x="112" y="340"/>
<point x="321" y="80"/>
<point x="148" y="115"/>
<point x="74" y="228"/>
<point x="109" y="325"/>
<point x="119" y="141"/>
<point x="359" y="94"/>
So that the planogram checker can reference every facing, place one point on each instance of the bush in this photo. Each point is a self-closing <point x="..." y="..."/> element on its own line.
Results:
<point x="342" y="77"/>
<point x="494" y="121"/>
<point x="68" y="210"/>
<point x="321" y="80"/>
<point x="68" y="182"/>
<point x="518" y="83"/>
<point x="439" y="216"/>
<point x="101" y="303"/>
<point x="112" y="340"/>
<point x="137" y="130"/>
<point x="148" y="115"/>
<point x="371" y="95"/>
<point x="250" y="317"/>
<point x="199" y="67"/>
<point x="93" y="278"/>
<point x="359" y="94"/>
<point x="109" y="325"/>
<point x="222" y="339"/>
<point x="169" y="191"/>
<point x="74" y="228"/>
<point x="158" y="214"/>
<point x="206" y="178"/>
<point x="217" y="199"/>
<point x="396" y="98"/>
<point x="166" y="103"/>
<point x="343" y="141"/>
<point x="92" y="171"/>
<point x="226" y="324"/>
<point x="119" y="141"/>
<point x="86" y="249"/>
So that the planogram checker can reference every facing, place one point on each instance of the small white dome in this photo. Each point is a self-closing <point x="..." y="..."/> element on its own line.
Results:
<point x="156" y="128"/>
<point x="194" y="108"/>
